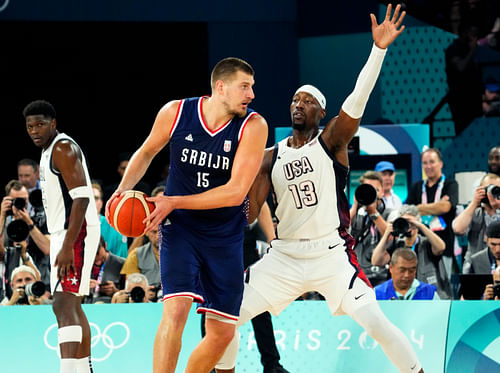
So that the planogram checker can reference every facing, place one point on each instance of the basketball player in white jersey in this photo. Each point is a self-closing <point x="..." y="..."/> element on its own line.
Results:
<point x="74" y="231"/>
<point x="313" y="250"/>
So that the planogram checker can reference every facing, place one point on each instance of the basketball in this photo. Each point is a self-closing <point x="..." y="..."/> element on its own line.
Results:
<point x="127" y="212"/>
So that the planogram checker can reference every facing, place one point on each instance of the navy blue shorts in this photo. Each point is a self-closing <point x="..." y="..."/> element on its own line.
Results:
<point x="207" y="269"/>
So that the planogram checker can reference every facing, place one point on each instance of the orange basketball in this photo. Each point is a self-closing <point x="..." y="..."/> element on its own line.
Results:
<point x="127" y="212"/>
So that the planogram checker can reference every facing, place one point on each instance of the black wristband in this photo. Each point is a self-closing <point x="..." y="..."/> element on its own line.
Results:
<point x="30" y="227"/>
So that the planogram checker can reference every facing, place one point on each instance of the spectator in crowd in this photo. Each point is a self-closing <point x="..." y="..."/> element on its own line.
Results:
<point x="492" y="291"/>
<point x="20" y="277"/>
<point x="403" y="284"/>
<point x="14" y="208"/>
<point x="136" y="290"/>
<point x="464" y="77"/>
<point x="481" y="211"/>
<point x="436" y="199"/>
<point x="427" y="246"/>
<point x="491" y="98"/>
<point x="28" y="174"/>
<point x="494" y="160"/>
<point x="115" y="241"/>
<point x="145" y="259"/>
<point x="387" y="172"/>
<point x="368" y="224"/>
<point x="105" y="276"/>
<point x="12" y="257"/>
<point x="486" y="260"/>
<point x="123" y="160"/>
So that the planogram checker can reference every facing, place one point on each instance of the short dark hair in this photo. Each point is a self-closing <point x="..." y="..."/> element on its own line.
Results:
<point x="493" y="230"/>
<point x="13" y="184"/>
<point x="435" y="150"/>
<point x="40" y="107"/>
<point x="228" y="67"/>
<point x="28" y="162"/>
<point x="371" y="175"/>
<point x="405" y="253"/>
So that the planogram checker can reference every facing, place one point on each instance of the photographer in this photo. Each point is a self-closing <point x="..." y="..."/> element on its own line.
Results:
<point x="368" y="223"/>
<point x="483" y="209"/>
<point x="486" y="260"/>
<point x="26" y="287"/>
<point x="428" y="246"/>
<point x="492" y="291"/>
<point x="136" y="290"/>
<point x="145" y="259"/>
<point x="14" y="208"/>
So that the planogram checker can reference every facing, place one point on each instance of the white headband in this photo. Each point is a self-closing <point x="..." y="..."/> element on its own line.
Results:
<point x="315" y="92"/>
<point x="22" y="268"/>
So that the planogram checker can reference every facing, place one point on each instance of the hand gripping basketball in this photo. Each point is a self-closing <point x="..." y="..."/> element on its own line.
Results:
<point x="128" y="211"/>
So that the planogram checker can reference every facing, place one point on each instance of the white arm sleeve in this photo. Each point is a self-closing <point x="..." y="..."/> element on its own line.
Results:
<point x="354" y="105"/>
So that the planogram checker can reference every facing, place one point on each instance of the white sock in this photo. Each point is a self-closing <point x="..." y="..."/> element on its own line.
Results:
<point x="392" y="340"/>
<point x="67" y="366"/>
<point x="84" y="365"/>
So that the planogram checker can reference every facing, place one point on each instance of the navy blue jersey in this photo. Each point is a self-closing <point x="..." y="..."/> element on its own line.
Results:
<point x="201" y="159"/>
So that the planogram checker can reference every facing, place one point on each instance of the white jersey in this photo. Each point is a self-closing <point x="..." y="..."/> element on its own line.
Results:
<point x="56" y="199"/>
<point x="309" y="186"/>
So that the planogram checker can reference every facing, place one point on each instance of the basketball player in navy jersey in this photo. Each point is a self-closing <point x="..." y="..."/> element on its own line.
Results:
<point x="74" y="231"/>
<point x="313" y="249"/>
<point x="216" y="148"/>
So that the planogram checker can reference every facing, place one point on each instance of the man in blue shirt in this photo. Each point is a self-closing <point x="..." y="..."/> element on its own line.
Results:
<point x="403" y="284"/>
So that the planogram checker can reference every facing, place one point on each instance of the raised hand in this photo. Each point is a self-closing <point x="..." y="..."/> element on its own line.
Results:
<point x="385" y="33"/>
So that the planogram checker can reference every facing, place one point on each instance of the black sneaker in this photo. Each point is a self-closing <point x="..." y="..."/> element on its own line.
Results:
<point x="276" y="369"/>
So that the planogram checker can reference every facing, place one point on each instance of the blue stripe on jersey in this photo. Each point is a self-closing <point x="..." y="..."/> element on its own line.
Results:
<point x="200" y="160"/>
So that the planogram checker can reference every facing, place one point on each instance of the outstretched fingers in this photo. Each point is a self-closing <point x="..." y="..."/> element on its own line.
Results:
<point x="396" y="13"/>
<point x="389" y="11"/>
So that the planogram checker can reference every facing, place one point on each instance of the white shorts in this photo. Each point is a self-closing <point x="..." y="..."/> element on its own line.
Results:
<point x="280" y="278"/>
<point x="85" y="251"/>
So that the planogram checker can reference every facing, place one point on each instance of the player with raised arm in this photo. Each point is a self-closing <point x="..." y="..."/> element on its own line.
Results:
<point x="313" y="249"/>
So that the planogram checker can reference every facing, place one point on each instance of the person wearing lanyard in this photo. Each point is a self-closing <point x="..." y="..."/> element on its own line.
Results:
<point x="404" y="285"/>
<point x="105" y="277"/>
<point x="436" y="199"/>
<point x="428" y="247"/>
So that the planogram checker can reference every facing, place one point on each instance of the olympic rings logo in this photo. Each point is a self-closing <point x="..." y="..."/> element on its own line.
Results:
<point x="108" y="341"/>
<point x="4" y="5"/>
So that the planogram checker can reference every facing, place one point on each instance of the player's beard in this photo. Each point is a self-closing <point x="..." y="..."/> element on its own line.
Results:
<point x="299" y="126"/>
<point x="234" y="112"/>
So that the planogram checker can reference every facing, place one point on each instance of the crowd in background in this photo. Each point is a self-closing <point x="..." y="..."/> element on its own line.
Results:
<point x="414" y="249"/>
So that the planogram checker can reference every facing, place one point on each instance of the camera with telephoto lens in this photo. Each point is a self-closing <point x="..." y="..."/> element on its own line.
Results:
<point x="400" y="227"/>
<point x="492" y="189"/>
<point x="137" y="294"/>
<point x="496" y="290"/>
<point x="18" y="203"/>
<point x="36" y="289"/>
<point x="365" y="194"/>
<point x="17" y="230"/>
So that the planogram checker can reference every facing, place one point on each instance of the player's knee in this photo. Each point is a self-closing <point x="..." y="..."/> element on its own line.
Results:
<point x="175" y="314"/>
<point x="224" y="336"/>
<point x="220" y="332"/>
